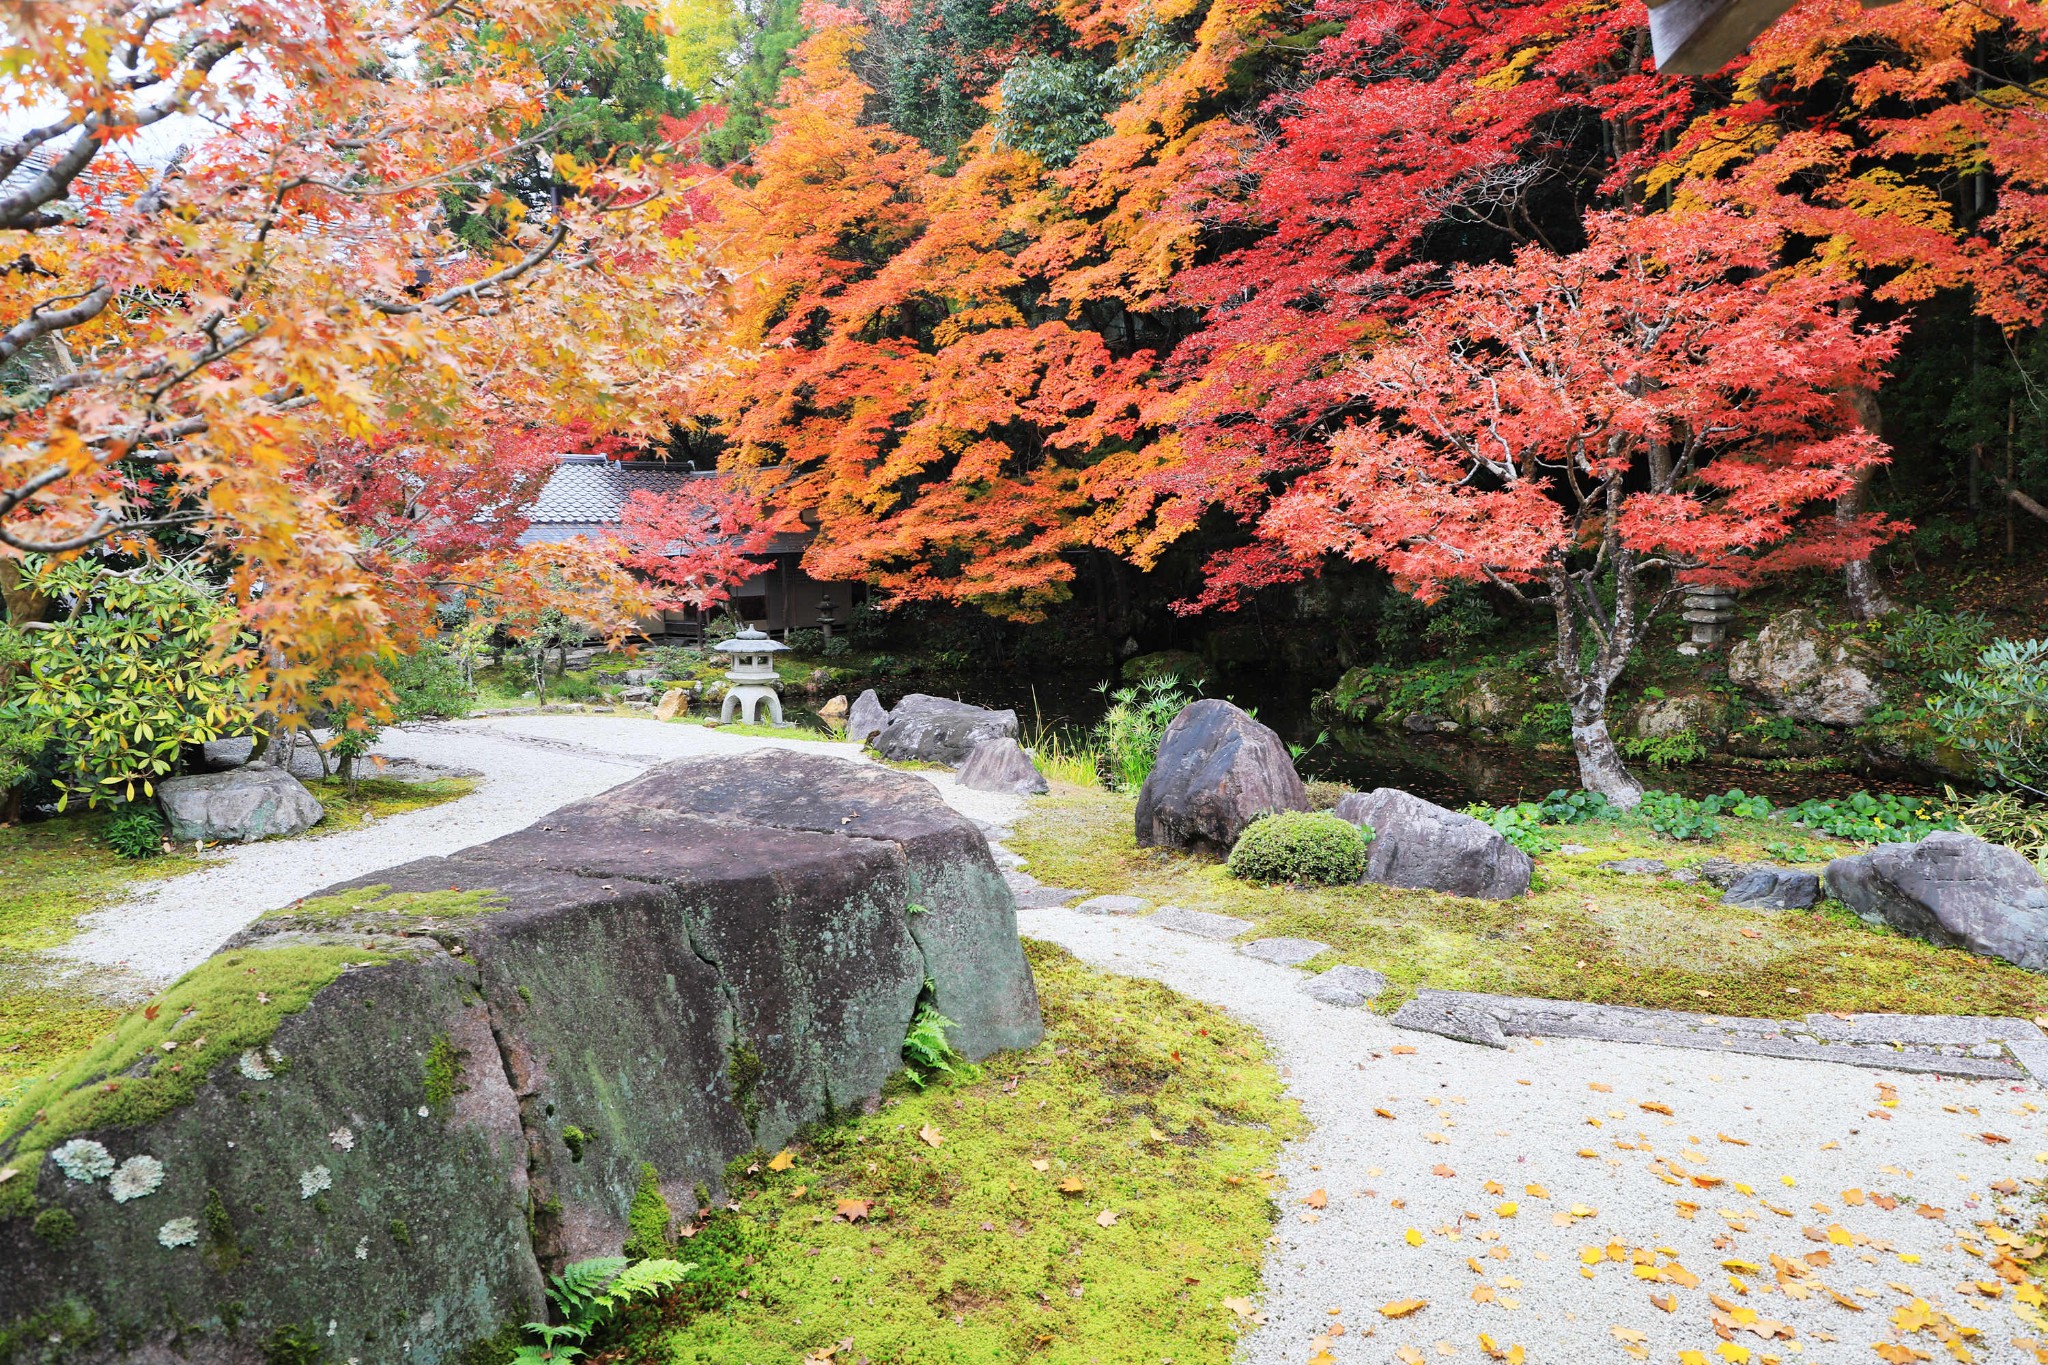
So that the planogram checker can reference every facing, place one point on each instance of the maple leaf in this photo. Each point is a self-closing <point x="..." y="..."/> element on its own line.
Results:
<point x="1401" y="1308"/>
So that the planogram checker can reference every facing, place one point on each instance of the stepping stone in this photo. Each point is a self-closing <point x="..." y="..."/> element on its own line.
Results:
<point x="1288" y="952"/>
<point x="1038" y="896"/>
<point x="1114" y="905"/>
<point x="1199" y="923"/>
<point x="1441" y="1013"/>
<point x="1773" y="888"/>
<point x="1346" y="986"/>
<point x="1635" y="867"/>
<point x="1573" y="850"/>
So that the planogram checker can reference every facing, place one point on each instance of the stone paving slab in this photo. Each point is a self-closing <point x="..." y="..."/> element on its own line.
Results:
<point x="1199" y="922"/>
<point x="1114" y="905"/>
<point x="1288" y="952"/>
<point x="1988" y="1048"/>
<point x="1349" y="987"/>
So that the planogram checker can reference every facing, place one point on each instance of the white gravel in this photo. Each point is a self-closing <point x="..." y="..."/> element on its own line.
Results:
<point x="1521" y="1118"/>
<point x="528" y="765"/>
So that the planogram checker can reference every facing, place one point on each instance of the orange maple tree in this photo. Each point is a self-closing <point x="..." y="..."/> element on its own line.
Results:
<point x="205" y="333"/>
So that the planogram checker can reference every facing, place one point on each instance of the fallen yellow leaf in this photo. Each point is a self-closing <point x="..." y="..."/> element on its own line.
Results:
<point x="930" y="1136"/>
<point x="782" y="1160"/>
<point x="1401" y="1308"/>
<point x="1506" y="1210"/>
<point x="1413" y="1237"/>
<point x="1317" y="1199"/>
<point x="1107" y="1218"/>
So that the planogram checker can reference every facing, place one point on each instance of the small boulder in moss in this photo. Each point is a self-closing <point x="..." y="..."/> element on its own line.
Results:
<point x="1313" y="847"/>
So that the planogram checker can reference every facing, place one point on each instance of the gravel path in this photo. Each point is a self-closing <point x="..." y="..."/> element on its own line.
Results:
<point x="1425" y="1152"/>
<point x="528" y="765"/>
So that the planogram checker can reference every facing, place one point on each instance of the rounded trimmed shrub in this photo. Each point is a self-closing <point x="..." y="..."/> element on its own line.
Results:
<point x="1315" y="847"/>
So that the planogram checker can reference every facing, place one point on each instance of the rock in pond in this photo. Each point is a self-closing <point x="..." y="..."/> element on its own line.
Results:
<point x="1217" y="771"/>
<point x="674" y="702"/>
<point x="1001" y="765"/>
<point x="240" y="805"/>
<point x="1951" y="888"/>
<point x="834" y="712"/>
<point x="404" y="1101"/>
<point x="1420" y="844"/>
<point x="927" y="729"/>
<point x="867" y="718"/>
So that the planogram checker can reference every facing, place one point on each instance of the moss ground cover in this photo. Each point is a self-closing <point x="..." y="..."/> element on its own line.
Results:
<point x="1581" y="933"/>
<point x="379" y="797"/>
<point x="1093" y="1200"/>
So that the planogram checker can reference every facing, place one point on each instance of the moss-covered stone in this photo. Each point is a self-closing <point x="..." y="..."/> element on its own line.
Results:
<point x="647" y="1221"/>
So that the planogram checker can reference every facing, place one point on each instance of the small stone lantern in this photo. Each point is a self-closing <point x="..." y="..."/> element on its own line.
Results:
<point x="825" y="621"/>
<point x="1708" y="611"/>
<point x="752" y="676"/>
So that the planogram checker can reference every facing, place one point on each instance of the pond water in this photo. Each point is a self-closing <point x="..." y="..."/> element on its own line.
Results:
<point x="1449" y="769"/>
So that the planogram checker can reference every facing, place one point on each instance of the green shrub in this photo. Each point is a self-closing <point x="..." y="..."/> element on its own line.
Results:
<point x="1312" y="847"/>
<point x="805" y="642"/>
<point x="1546" y="722"/>
<point x="136" y="831"/>
<point x="2003" y="818"/>
<point x="1998" y="713"/>
<point x="1873" y="819"/>
<point x="1929" y="643"/>
<point x="1127" y="737"/>
<point x="575" y="687"/>
<point x="1666" y="751"/>
<point x="1520" y="824"/>
<point x="430" y="681"/>
<point x="125" y="681"/>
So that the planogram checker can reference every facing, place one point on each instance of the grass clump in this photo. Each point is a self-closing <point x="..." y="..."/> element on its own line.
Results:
<point x="1139" y="1103"/>
<point x="1312" y="847"/>
<point x="1580" y="934"/>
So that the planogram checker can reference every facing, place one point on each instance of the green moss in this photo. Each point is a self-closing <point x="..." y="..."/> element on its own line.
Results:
<point x="60" y="869"/>
<point x="58" y="1331"/>
<point x="1581" y="933"/>
<point x="225" y="1006"/>
<point x="441" y="1073"/>
<point x="221" y="1248"/>
<point x="379" y="797"/>
<point x="382" y="900"/>
<point x="496" y="1349"/>
<point x="1164" y="1111"/>
<point x="400" y="1233"/>
<point x="648" y="1218"/>
<point x="55" y="1226"/>
<point x="743" y="1070"/>
<point x="292" y="1345"/>
<point x="575" y="1139"/>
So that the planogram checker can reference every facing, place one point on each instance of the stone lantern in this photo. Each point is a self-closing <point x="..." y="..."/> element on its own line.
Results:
<point x="1708" y="611"/>
<point x="752" y="676"/>
<point x="825" y="620"/>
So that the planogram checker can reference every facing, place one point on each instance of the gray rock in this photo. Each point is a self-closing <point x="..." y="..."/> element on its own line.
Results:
<point x="636" y="693"/>
<point x="1954" y="889"/>
<point x="1349" y="987"/>
<point x="640" y="677"/>
<point x="1288" y="952"/>
<point x="1444" y="1014"/>
<point x="1038" y="896"/>
<point x="1422" y="723"/>
<point x="926" y="729"/>
<point x="1761" y="887"/>
<point x="1720" y="873"/>
<point x="238" y="806"/>
<point x="1665" y="717"/>
<point x="1114" y="905"/>
<point x="1001" y="765"/>
<point x="747" y="924"/>
<point x="867" y="718"/>
<point x="1797" y="666"/>
<point x="1921" y="1030"/>
<point x="1420" y="844"/>
<point x="577" y="660"/>
<point x="1199" y="922"/>
<point x="1636" y="867"/>
<point x="1218" y="770"/>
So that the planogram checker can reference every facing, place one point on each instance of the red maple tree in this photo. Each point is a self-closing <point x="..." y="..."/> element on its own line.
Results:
<point x="1592" y="431"/>
<point x="697" y="543"/>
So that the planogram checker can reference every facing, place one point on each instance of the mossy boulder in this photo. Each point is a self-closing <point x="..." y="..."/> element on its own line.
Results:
<point x="386" y="1111"/>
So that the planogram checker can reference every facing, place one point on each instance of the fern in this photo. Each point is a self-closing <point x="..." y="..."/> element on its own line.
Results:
<point x="588" y="1294"/>
<point x="925" y="1047"/>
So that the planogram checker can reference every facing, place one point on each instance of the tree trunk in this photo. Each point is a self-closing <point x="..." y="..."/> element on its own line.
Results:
<point x="1600" y="765"/>
<point x="1867" y="600"/>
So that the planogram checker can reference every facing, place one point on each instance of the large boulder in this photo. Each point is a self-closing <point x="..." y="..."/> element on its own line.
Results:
<point x="372" y="1124"/>
<point x="237" y="806"/>
<point x="867" y="718"/>
<point x="1671" y="716"/>
<point x="1217" y="771"/>
<point x="1001" y="765"/>
<point x="1796" y="666"/>
<point x="1420" y="844"/>
<point x="924" y="729"/>
<point x="1954" y="889"/>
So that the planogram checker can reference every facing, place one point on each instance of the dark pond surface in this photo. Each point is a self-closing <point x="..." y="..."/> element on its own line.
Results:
<point x="1450" y="770"/>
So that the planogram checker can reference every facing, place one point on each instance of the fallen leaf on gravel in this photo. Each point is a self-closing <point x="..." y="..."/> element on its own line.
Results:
<point x="1246" y="1310"/>
<point x="1442" y="1170"/>
<point x="1628" y="1334"/>
<point x="1745" y="1267"/>
<point x="1408" y="1355"/>
<point x="1435" y="1137"/>
<point x="1603" y="1089"/>
<point x="1692" y="1358"/>
<point x="1583" y="1211"/>
<point x="1686" y="1208"/>
<point x="1513" y="1355"/>
<point x="1401" y="1308"/>
<point x="1318" y="1199"/>
<point x="930" y="1135"/>
<point x="1897" y="1354"/>
<point x="1414" y="1237"/>
<point x="1853" y="1198"/>
<point x="1669" y="1303"/>
<point x="1733" y="1354"/>
<point x="1655" y="1107"/>
<point x="1482" y="1293"/>
<point x="1536" y="1192"/>
<point x="1588" y="1152"/>
<point x="1732" y="1141"/>
<point x="1507" y="1210"/>
<point x="1107" y="1218"/>
<point x="1494" y="1187"/>
<point x="1401" y="1050"/>
<point x="782" y="1160"/>
<point x="1384" y="1113"/>
<point x="1992" y="1139"/>
<point x="1323" y="1357"/>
